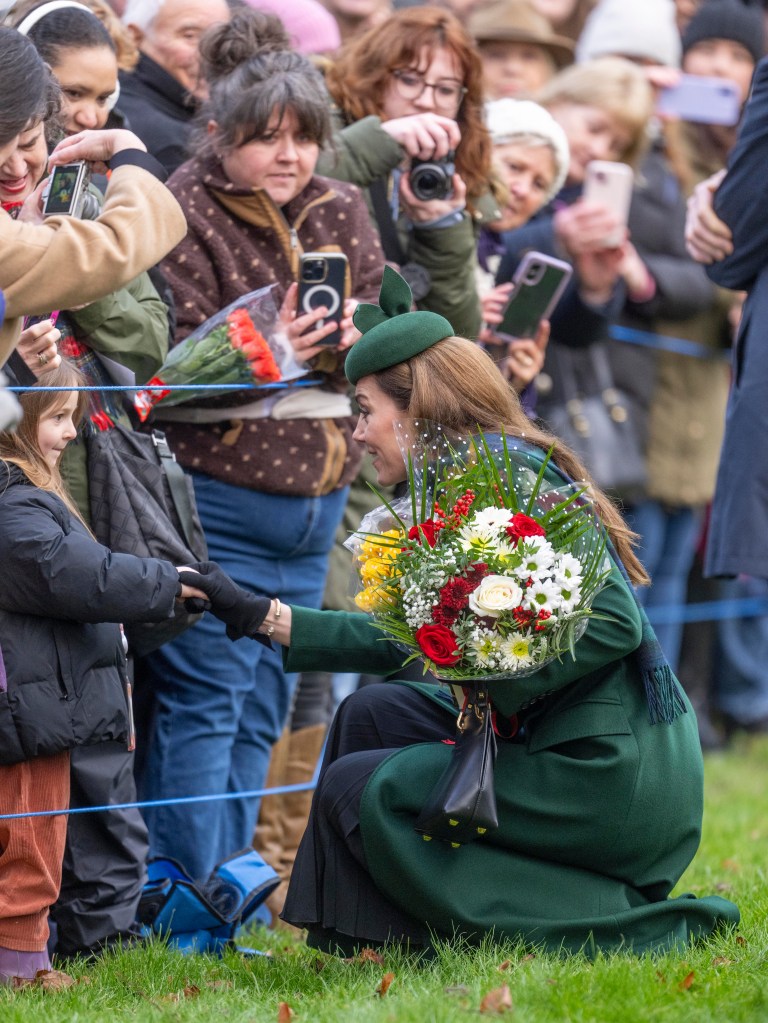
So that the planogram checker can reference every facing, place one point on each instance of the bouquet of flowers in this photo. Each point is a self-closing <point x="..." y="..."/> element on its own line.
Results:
<point x="485" y="570"/>
<point x="241" y="344"/>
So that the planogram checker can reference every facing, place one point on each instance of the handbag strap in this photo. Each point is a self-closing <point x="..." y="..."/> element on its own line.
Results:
<point x="390" y="241"/>
<point x="599" y="366"/>
<point x="177" y="484"/>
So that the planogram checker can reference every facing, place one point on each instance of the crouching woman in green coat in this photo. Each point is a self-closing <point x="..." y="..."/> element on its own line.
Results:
<point x="599" y="808"/>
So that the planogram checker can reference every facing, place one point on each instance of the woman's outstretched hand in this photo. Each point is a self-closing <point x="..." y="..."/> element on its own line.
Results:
<point x="241" y="611"/>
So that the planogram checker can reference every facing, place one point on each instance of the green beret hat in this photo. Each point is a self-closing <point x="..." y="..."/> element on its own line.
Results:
<point x="391" y="332"/>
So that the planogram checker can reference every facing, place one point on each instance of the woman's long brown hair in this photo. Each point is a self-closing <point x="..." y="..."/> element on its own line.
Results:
<point x="457" y="384"/>
<point x="359" y="77"/>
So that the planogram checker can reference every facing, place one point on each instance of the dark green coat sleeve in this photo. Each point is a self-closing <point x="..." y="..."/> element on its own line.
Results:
<point x="339" y="641"/>
<point x="360" y="153"/>
<point x="603" y="643"/>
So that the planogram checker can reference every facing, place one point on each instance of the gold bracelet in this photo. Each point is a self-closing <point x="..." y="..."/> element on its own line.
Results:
<point x="277" y="609"/>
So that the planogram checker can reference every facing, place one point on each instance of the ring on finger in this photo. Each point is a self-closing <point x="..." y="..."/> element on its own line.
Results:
<point x="42" y="358"/>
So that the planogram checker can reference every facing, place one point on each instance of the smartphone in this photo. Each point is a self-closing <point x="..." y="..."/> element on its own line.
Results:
<point x="64" y="191"/>
<point x="323" y="282"/>
<point x="610" y="184"/>
<point x="538" y="283"/>
<point x="702" y="99"/>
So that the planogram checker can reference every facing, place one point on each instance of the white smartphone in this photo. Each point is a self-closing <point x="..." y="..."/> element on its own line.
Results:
<point x="702" y="99"/>
<point x="610" y="184"/>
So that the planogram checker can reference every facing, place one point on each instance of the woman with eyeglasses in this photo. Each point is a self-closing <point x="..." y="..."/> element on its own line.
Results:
<point x="420" y="74"/>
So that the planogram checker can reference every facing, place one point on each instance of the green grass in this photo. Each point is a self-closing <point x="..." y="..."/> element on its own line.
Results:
<point x="723" y="980"/>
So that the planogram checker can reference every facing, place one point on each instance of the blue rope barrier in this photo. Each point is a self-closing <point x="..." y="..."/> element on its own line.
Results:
<point x="175" y="387"/>
<point x="666" y="343"/>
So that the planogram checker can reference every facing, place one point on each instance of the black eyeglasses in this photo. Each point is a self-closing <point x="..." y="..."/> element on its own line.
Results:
<point x="447" y="92"/>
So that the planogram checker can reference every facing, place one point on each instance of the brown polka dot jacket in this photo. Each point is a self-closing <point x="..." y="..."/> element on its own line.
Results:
<point x="238" y="241"/>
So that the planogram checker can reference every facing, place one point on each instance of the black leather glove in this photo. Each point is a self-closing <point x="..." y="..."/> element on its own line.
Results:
<point x="243" y="612"/>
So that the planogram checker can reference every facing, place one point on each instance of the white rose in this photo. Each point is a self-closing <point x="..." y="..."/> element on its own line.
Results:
<point x="496" y="593"/>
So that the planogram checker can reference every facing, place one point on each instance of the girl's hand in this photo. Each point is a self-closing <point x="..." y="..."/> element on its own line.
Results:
<point x="420" y="212"/>
<point x="305" y="345"/>
<point x="188" y="592"/>
<point x="95" y="147"/>
<point x="37" y="347"/>
<point x="424" y="136"/>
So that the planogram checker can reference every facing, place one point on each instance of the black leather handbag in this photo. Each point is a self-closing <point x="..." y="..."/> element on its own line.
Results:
<point x="143" y="503"/>
<point x="462" y="806"/>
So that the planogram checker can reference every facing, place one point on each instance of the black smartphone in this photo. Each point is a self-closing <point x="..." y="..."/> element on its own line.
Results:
<point x="64" y="191"/>
<point x="538" y="283"/>
<point x="323" y="282"/>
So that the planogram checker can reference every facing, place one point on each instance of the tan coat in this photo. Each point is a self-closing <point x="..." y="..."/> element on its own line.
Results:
<point x="67" y="262"/>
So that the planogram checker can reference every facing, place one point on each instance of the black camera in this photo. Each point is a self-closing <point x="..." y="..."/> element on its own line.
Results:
<point x="432" y="179"/>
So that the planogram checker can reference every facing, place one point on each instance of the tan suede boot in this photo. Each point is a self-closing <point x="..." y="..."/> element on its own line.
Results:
<point x="268" y="836"/>
<point x="304" y="750"/>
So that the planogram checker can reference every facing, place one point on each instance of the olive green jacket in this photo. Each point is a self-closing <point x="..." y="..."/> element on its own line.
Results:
<point x="599" y="811"/>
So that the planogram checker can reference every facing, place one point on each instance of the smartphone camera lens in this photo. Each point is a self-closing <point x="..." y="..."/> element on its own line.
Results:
<point x="313" y="270"/>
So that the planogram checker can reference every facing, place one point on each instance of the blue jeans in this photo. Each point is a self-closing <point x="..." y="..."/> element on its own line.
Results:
<point x="741" y="666"/>
<point x="219" y="706"/>
<point x="668" y="538"/>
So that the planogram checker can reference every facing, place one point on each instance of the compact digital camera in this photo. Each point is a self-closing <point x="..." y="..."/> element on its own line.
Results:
<point x="67" y="195"/>
<point x="432" y="179"/>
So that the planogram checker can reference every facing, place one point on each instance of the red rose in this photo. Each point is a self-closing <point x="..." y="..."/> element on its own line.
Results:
<point x="428" y="529"/>
<point x="523" y="525"/>
<point x="438" y="644"/>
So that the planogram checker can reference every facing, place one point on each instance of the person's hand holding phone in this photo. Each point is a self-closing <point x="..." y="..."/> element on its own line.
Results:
<point x="525" y="358"/>
<point x="584" y="227"/>
<point x="305" y="341"/>
<point x="94" y="146"/>
<point x="38" y="346"/>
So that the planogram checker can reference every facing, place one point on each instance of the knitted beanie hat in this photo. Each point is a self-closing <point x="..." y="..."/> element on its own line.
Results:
<point x="646" y="30"/>
<point x="510" y="119"/>
<point x="312" y="28"/>
<point x="728" y="19"/>
<point x="391" y="332"/>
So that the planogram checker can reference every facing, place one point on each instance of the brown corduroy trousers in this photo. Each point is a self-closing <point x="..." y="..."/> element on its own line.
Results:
<point x="31" y="849"/>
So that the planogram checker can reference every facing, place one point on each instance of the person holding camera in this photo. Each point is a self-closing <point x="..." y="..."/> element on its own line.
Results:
<point x="421" y="64"/>
<point x="271" y="474"/>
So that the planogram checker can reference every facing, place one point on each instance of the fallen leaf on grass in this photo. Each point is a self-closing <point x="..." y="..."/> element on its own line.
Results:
<point x="284" y="1013"/>
<point x="383" y="987"/>
<point x="722" y="961"/>
<point x="740" y="940"/>
<point x="723" y="886"/>
<point x="221" y="985"/>
<point x="191" y="991"/>
<point x="660" y="977"/>
<point x="527" y="958"/>
<point x="48" y="980"/>
<point x="369" y="956"/>
<point x="687" y="981"/>
<point x="503" y="967"/>
<point x="733" y="865"/>
<point x="499" y="1000"/>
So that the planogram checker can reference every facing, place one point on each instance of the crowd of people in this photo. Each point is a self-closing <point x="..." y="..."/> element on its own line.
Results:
<point x="226" y="139"/>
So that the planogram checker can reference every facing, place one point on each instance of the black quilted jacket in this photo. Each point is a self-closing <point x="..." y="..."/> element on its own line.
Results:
<point x="62" y="665"/>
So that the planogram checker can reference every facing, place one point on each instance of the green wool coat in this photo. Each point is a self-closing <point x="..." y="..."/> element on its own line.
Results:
<point x="599" y="811"/>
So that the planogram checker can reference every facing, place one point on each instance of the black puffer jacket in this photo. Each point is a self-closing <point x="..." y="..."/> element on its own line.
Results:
<point x="59" y="592"/>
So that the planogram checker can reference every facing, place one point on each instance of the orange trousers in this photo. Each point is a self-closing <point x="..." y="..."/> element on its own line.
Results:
<point x="31" y="849"/>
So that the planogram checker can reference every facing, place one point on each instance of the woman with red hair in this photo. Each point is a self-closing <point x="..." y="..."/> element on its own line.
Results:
<point x="419" y="71"/>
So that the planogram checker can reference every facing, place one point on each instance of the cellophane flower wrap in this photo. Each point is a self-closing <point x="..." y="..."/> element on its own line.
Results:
<point x="241" y="344"/>
<point x="485" y="569"/>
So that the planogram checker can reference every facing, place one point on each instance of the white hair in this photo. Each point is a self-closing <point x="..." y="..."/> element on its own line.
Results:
<point x="141" y="13"/>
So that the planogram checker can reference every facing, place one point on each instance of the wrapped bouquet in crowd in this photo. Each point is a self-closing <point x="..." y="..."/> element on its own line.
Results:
<point x="242" y="344"/>
<point x="485" y="570"/>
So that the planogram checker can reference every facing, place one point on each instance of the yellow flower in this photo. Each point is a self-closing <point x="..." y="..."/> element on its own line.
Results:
<point x="372" y="546"/>
<point x="374" y="598"/>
